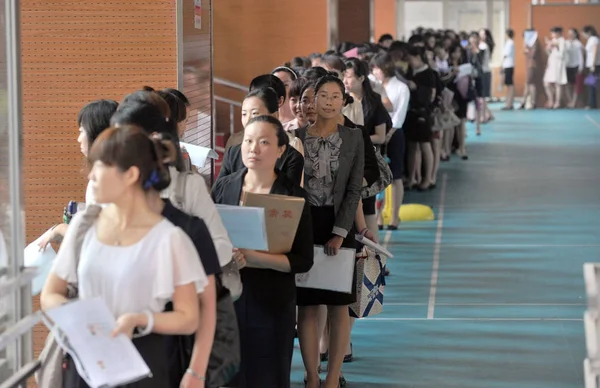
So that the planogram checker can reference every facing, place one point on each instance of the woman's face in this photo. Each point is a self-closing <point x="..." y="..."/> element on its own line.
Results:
<point x="252" y="107"/>
<point x="259" y="147"/>
<point x="353" y="83"/>
<point x="431" y="41"/>
<point x="482" y="35"/>
<point x="84" y="142"/>
<point x="474" y="40"/>
<point x="414" y="62"/>
<point x="307" y="105"/>
<point x="456" y="54"/>
<point x="378" y="73"/>
<point x="109" y="184"/>
<point x="571" y="34"/>
<point x="296" y="107"/>
<point x="329" y="101"/>
<point x="286" y="78"/>
<point x="554" y="35"/>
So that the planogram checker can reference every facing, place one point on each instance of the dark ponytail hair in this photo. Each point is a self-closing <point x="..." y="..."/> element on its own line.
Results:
<point x="370" y="98"/>
<point x="95" y="118"/>
<point x="150" y="112"/>
<point x="282" y="137"/>
<point x="418" y="51"/>
<point x="268" y="96"/>
<point x="129" y="146"/>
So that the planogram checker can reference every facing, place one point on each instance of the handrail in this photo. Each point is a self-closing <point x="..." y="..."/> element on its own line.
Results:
<point x="228" y="101"/>
<point x="221" y="81"/>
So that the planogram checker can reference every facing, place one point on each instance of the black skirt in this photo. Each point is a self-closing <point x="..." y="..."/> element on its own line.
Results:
<point x="323" y="219"/>
<point x="152" y="350"/>
<point x="266" y="315"/>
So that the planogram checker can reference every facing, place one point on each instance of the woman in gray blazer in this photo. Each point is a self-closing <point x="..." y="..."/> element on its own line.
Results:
<point x="333" y="175"/>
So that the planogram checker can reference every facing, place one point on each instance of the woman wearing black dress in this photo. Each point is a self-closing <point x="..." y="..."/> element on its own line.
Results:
<point x="266" y="310"/>
<point x="422" y="82"/>
<point x="457" y="58"/>
<point x="334" y="168"/>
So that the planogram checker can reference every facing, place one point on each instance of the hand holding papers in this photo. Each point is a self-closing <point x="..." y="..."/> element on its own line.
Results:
<point x="333" y="273"/>
<point x="266" y="222"/>
<point x="530" y="37"/>
<point x="83" y="329"/>
<point x="464" y="70"/>
<point x="199" y="154"/>
<point x="373" y="245"/>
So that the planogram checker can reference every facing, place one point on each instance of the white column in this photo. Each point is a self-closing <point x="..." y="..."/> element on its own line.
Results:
<point x="400" y="15"/>
<point x="372" y="21"/>
<point x="489" y="14"/>
<point x="445" y="16"/>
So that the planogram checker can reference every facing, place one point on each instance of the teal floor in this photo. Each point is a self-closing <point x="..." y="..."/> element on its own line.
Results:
<point x="519" y="220"/>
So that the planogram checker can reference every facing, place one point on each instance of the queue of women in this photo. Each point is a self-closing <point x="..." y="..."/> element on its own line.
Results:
<point x="315" y="128"/>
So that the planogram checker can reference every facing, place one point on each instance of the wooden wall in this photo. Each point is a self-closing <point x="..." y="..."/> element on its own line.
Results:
<point x="385" y="18"/>
<point x="74" y="52"/>
<point x="354" y="21"/>
<point x="252" y="37"/>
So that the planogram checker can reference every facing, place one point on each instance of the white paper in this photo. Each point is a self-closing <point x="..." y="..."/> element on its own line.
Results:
<point x="464" y="70"/>
<point x="199" y="154"/>
<point x="42" y="261"/>
<point x="373" y="245"/>
<point x="530" y="38"/>
<point x="332" y="273"/>
<point x="100" y="359"/>
<point x="245" y="226"/>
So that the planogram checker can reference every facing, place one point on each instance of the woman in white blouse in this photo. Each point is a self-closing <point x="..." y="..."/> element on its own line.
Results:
<point x="131" y="257"/>
<point x="592" y="63"/>
<point x="555" y="77"/>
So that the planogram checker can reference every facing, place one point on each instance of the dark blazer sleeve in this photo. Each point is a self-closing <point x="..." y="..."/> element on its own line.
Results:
<point x="294" y="165"/>
<point x="227" y="165"/>
<point x="345" y="214"/>
<point x="302" y="255"/>
<point x="372" y="173"/>
<point x="217" y="190"/>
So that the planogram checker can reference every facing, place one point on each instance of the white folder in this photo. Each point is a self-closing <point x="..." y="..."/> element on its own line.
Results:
<point x="331" y="273"/>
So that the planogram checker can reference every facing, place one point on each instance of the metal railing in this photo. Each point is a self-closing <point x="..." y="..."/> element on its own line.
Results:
<point x="231" y="104"/>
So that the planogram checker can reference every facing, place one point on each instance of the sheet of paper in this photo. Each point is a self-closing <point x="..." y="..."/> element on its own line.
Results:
<point x="245" y="226"/>
<point x="373" y="245"/>
<point x="333" y="273"/>
<point x="199" y="154"/>
<point x="530" y="37"/>
<point x="464" y="70"/>
<point x="100" y="359"/>
<point x="42" y="261"/>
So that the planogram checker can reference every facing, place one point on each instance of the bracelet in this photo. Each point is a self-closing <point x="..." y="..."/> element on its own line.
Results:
<point x="149" y="326"/>
<point x="364" y="231"/>
<point x="196" y="375"/>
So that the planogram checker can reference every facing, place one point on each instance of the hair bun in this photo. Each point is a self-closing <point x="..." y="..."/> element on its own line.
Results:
<point x="148" y="89"/>
<point x="348" y="98"/>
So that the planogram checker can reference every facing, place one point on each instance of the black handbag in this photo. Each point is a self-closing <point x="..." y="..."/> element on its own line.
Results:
<point x="225" y="358"/>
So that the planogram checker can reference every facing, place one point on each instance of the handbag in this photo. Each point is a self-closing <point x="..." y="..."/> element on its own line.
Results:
<point x="370" y="284"/>
<point x="225" y="357"/>
<point x="50" y="373"/>
<point x="385" y="178"/>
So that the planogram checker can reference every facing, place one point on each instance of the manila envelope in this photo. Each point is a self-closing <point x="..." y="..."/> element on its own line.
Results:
<point x="282" y="216"/>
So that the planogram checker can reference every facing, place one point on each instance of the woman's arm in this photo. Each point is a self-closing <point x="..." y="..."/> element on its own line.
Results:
<point x="54" y="292"/>
<point x="205" y="334"/>
<point x="345" y="215"/>
<point x="379" y="136"/>
<point x="183" y="320"/>
<point x="54" y="234"/>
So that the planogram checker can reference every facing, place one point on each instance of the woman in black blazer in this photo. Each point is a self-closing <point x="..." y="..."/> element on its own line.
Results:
<point x="266" y="310"/>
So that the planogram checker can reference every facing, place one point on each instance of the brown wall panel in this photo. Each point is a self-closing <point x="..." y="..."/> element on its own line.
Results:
<point x="74" y="52"/>
<point x="519" y="20"/>
<point x="251" y="37"/>
<point x="354" y="21"/>
<point x="385" y="18"/>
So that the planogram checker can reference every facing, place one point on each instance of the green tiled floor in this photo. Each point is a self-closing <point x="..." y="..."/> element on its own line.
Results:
<point x="520" y="219"/>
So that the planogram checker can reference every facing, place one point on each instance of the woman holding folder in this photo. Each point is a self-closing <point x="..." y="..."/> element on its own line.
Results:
<point x="266" y="310"/>
<point x="334" y="167"/>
